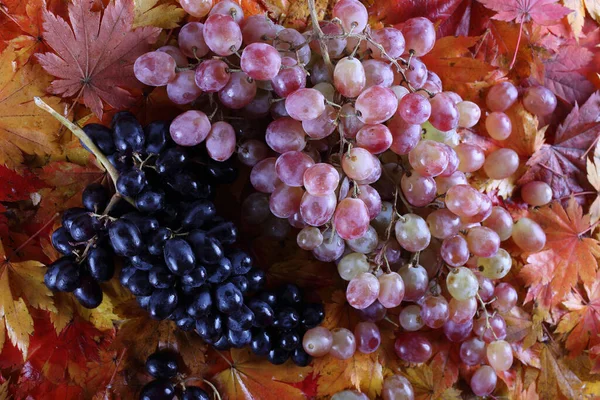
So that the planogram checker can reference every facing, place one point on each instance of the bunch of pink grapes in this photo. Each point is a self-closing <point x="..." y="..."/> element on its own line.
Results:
<point x="363" y="153"/>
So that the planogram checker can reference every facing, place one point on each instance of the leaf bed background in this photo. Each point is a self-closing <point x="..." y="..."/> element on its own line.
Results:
<point x="53" y="348"/>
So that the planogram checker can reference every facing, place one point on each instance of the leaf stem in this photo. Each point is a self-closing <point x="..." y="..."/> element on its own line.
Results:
<point x="512" y="63"/>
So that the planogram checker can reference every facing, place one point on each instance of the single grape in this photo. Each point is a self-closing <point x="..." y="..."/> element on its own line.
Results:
<point x="483" y="242"/>
<point x="264" y="176"/>
<point x="190" y="128"/>
<point x="456" y="332"/>
<point x="317" y="210"/>
<point x="539" y="100"/>
<point x="155" y="68"/>
<point x="469" y="114"/>
<point x="397" y="387"/>
<point x="317" y="341"/>
<point x="455" y="250"/>
<point x="528" y="235"/>
<point x="410" y="318"/>
<point x="222" y="34"/>
<point x="506" y="297"/>
<point x="220" y="142"/>
<point x="472" y="351"/>
<point x="239" y="91"/>
<point x="413" y="347"/>
<point x="536" y="193"/>
<point x="501" y="163"/>
<point x="376" y="105"/>
<point x="497" y="266"/>
<point x="367" y="337"/>
<point x="444" y="113"/>
<point x="499" y="355"/>
<point x="462" y="283"/>
<point x="309" y="238"/>
<point x="412" y="233"/>
<point x="305" y="104"/>
<point x="415" y="281"/>
<point x="197" y="8"/>
<point x="362" y="290"/>
<point x="331" y="249"/>
<point x="377" y="73"/>
<point x="391" y="290"/>
<point x="285" y="200"/>
<point x="228" y="7"/>
<point x="483" y="381"/>
<point x="353" y="15"/>
<point x="191" y="40"/>
<point x="462" y="311"/>
<point x="501" y="96"/>
<point x="260" y="61"/>
<point x="419" y="34"/>
<point x="343" y="344"/>
<point x="349" y="77"/>
<point x="212" y="75"/>
<point x="498" y="125"/>
<point x="500" y="221"/>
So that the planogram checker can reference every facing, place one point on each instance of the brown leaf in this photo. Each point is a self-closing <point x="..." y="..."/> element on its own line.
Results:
<point x="435" y="381"/>
<point x="94" y="56"/>
<point x="556" y="380"/>
<point x="149" y="13"/>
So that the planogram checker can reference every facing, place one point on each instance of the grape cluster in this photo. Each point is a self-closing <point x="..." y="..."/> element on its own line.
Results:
<point x="163" y="366"/>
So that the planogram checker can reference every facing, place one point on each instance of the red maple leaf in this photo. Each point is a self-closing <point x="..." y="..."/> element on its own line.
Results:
<point x="563" y="164"/>
<point x="543" y="12"/>
<point x="94" y="56"/>
<point x="563" y="73"/>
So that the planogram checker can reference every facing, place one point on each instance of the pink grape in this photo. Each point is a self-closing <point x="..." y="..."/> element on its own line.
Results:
<point x="349" y="77"/>
<point x="317" y="341"/>
<point x="362" y="290"/>
<point x="343" y="344"/>
<point x="415" y="282"/>
<point x="506" y="297"/>
<point x="321" y="179"/>
<point x="472" y="351"/>
<point x="539" y="100"/>
<point x="191" y="40"/>
<point x="322" y="126"/>
<point x="496" y="331"/>
<point x="499" y="355"/>
<point x="434" y="311"/>
<point x="498" y="125"/>
<point x="228" y="7"/>
<point x="222" y="34"/>
<point x="155" y="68"/>
<point x="212" y="75"/>
<point x="400" y="91"/>
<point x="297" y="221"/>
<point x="305" y="104"/>
<point x="501" y="96"/>
<point x="371" y="198"/>
<point x="290" y="167"/>
<point x="419" y="34"/>
<point x="528" y="235"/>
<point x="443" y="183"/>
<point x="309" y="238"/>
<point x="397" y="387"/>
<point x="190" y="128"/>
<point x="290" y="43"/>
<point x="414" y="108"/>
<point x="285" y="134"/>
<point x="469" y="112"/>
<point x="317" y="210"/>
<point x="486" y="286"/>
<point x="455" y="332"/>
<point x="373" y="313"/>
<point x="353" y="15"/>
<point x="500" y="222"/>
<point x="197" y="8"/>
<point x="182" y="89"/>
<point x="429" y="158"/>
<point x="252" y="151"/>
<point x="331" y="249"/>
<point x="391" y="290"/>
<point x="258" y="28"/>
<point x="264" y="176"/>
<point x="320" y="73"/>
<point x="359" y="163"/>
<point x="238" y="92"/>
<point x="536" y="193"/>
<point x="377" y="72"/>
<point x="483" y="242"/>
<point x="483" y="381"/>
<point x="220" y="142"/>
<point x="453" y="161"/>
<point x="418" y="190"/>
<point x="351" y="218"/>
<point x="405" y="137"/>
<point x="413" y="347"/>
<point x="285" y="200"/>
<point x="260" y="104"/>
<point x="444" y="113"/>
<point x="260" y="61"/>
<point x="349" y="122"/>
<point x="376" y="104"/>
<point x="463" y="200"/>
<point x="443" y="223"/>
<point x="375" y="138"/>
<point x="180" y="59"/>
<point x="412" y="233"/>
<point x="501" y="163"/>
<point x="462" y="311"/>
<point x="410" y="318"/>
<point x="336" y="45"/>
<point x="367" y="337"/>
<point x="391" y="40"/>
<point x="416" y="73"/>
<point x="471" y="157"/>
<point x="375" y="174"/>
<point x="288" y="79"/>
<point x="455" y="250"/>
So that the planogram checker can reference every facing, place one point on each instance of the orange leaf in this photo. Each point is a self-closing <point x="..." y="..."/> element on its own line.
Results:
<point x="525" y="137"/>
<point x="556" y="380"/>
<point x="249" y="378"/>
<point x="435" y="380"/>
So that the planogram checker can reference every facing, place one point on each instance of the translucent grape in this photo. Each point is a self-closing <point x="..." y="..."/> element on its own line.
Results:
<point x="317" y="210"/>
<point x="536" y="193"/>
<point x="349" y="121"/>
<point x="410" y="318"/>
<point x="434" y="311"/>
<point x="305" y="104"/>
<point x="351" y="218"/>
<point x="392" y="41"/>
<point x="155" y="68"/>
<point x="499" y="355"/>
<point x="309" y="238"/>
<point x="498" y="125"/>
<point x="212" y="75"/>
<point x="264" y="176"/>
<point x="375" y="312"/>
<point x="290" y="43"/>
<point x="377" y="72"/>
<point x="290" y="167"/>
<point x="222" y="34"/>
<point x="397" y="387"/>
<point x="496" y="330"/>
<point x="463" y="200"/>
<point x="351" y="265"/>
<point x="197" y="8"/>
<point x="444" y="113"/>
<point x="500" y="222"/>
<point x="419" y="34"/>
<point x="501" y="96"/>
<point x="285" y="134"/>
<point x="400" y="92"/>
<point x="367" y="337"/>
<point x="359" y="163"/>
<point x="443" y="223"/>
<point x="180" y="59"/>
<point x="362" y="290"/>
<point x="285" y="200"/>
<point x="258" y="28"/>
<point x="472" y="351"/>
<point x="528" y="235"/>
<point x="413" y="347"/>
<point x="415" y="281"/>
<point x="190" y="128"/>
<point x="506" y="297"/>
<point x="455" y="250"/>
<point x="453" y="161"/>
<point x="320" y="73"/>
<point x="349" y="77"/>
<point x="220" y="143"/>
<point x="497" y="266"/>
<point x="483" y="381"/>
<point x="539" y="100"/>
<point x="486" y="286"/>
<point x="429" y="158"/>
<point x="471" y="157"/>
<point x="462" y="311"/>
<point x="349" y="395"/>
<point x="353" y="15"/>
<point x="322" y="126"/>
<point x="260" y="106"/>
<point x="391" y="290"/>
<point x="384" y="218"/>
<point x="371" y="198"/>
<point x="238" y="92"/>
<point x="443" y="183"/>
<point x="336" y="45"/>
<point x="418" y="190"/>
<point x="182" y="89"/>
<point x="288" y="79"/>
<point x="260" y="61"/>
<point x="317" y="341"/>
<point x="414" y="108"/>
<point x="455" y="332"/>
<point x="321" y="179"/>
<point x="375" y="138"/>
<point x="297" y="221"/>
<point x="412" y="233"/>
<point x="376" y="105"/>
<point x="228" y="7"/>
<point x="191" y="40"/>
<point x="331" y="248"/>
<point x="343" y="344"/>
<point x="483" y="242"/>
<point x="462" y="283"/>
<point x="469" y="114"/>
<point x="416" y="74"/>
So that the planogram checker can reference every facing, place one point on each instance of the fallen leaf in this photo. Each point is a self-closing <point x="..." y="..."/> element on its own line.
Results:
<point x="249" y="377"/>
<point x="16" y="186"/>
<point x="395" y="11"/>
<point x="563" y="73"/>
<point x="562" y="163"/>
<point x="577" y="17"/>
<point x="435" y="381"/>
<point x="593" y="8"/>
<point x="543" y="12"/>
<point x="524" y="387"/>
<point x="94" y="56"/>
<point x="150" y="13"/>
<point x="556" y="378"/>
<point x="525" y="137"/>
<point x="24" y="128"/>
<point x="593" y="175"/>
<point x="4" y="395"/>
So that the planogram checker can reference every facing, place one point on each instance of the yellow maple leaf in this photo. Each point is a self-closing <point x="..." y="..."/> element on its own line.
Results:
<point x="20" y="282"/>
<point x="556" y="380"/>
<point x="525" y="138"/>
<point x="435" y="381"/>
<point x="149" y="13"/>
<point x="593" y="8"/>
<point x="24" y="128"/>
<point x="577" y="17"/>
<point x="593" y="175"/>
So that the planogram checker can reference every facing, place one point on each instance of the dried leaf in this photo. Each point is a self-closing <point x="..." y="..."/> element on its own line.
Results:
<point x="94" y="56"/>
<point x="150" y="13"/>
<point x="435" y="381"/>
<point x="556" y="378"/>
<point x="525" y="137"/>
<point x="593" y="176"/>
<point x="15" y="186"/>
<point x="563" y="74"/>
<point x="577" y="17"/>
<point x="543" y="12"/>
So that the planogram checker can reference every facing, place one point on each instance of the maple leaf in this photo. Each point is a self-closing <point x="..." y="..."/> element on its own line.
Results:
<point x="94" y="56"/>
<point x="21" y="285"/>
<point x="563" y="73"/>
<point x="250" y="377"/>
<point x="577" y="17"/>
<point x="435" y="380"/>
<point x="542" y="12"/>
<point x="165" y="15"/>
<point x="562" y="163"/>
<point x="23" y="126"/>
<point x="582" y="322"/>
<point x="593" y="175"/>
<point x="525" y="137"/>
<point x="15" y="186"/>
<point x="4" y="395"/>
<point x="570" y="258"/>
<point x="101" y="317"/>
<point x="556" y="378"/>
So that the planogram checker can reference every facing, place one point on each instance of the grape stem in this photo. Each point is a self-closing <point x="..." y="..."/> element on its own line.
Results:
<point x="318" y="32"/>
<point x="391" y="322"/>
<point x="487" y="315"/>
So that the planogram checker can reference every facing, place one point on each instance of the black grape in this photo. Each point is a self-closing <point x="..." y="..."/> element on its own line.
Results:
<point x="100" y="264"/>
<point x="210" y="327"/>
<point x="70" y="214"/>
<point x="160" y="277"/>
<point x="95" y="197"/>
<point x="150" y="201"/>
<point x="83" y="228"/>
<point x="200" y="304"/>
<point x="194" y="393"/>
<point x="197" y="213"/>
<point x="239" y="339"/>
<point x="179" y="256"/>
<point x="240" y="320"/>
<point x="158" y="390"/>
<point x="162" y="303"/>
<point x="312" y="315"/>
<point x="278" y="356"/>
<point x="128" y="134"/>
<point x="61" y="239"/>
<point x="156" y="241"/>
<point x="219" y="272"/>
<point x="301" y="357"/>
<point x="261" y="343"/>
<point x="207" y="249"/>
<point x="125" y="238"/>
<point x="157" y="133"/>
<point x="263" y="313"/>
<point x="139" y="283"/>
<point x="171" y="160"/>
<point x="289" y="340"/>
<point x="287" y="318"/>
<point x="225" y="232"/>
<point x="68" y="277"/>
<point x="256" y="279"/>
<point x="195" y="278"/>
<point x="240" y="261"/>
<point x="132" y="182"/>
<point x="162" y="364"/>
<point x="241" y="282"/>
<point x="89" y="293"/>
<point x="229" y="298"/>
<point x="101" y="136"/>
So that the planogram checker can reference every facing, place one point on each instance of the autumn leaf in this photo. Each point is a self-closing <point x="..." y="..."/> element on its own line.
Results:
<point x="150" y="13"/>
<point x="563" y="73"/>
<point x="4" y="395"/>
<point x="394" y="11"/>
<point x="556" y="378"/>
<point x="542" y="12"/>
<point x="249" y="377"/>
<point x="24" y="128"/>
<point x="562" y="163"/>
<point x="17" y="187"/>
<point x="68" y="308"/>
<point x="525" y="137"/>
<point x="435" y="381"/>
<point x="94" y="56"/>
<point x="577" y="17"/>
<point x="593" y="175"/>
